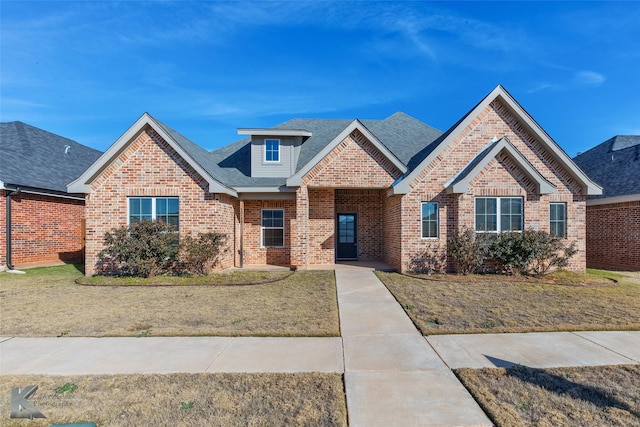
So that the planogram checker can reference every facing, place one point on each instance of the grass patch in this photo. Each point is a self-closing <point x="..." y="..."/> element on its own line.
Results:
<point x="583" y="396"/>
<point x="183" y="399"/>
<point x="449" y="304"/>
<point x="303" y="304"/>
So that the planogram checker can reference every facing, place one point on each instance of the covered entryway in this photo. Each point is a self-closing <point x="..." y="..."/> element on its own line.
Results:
<point x="346" y="236"/>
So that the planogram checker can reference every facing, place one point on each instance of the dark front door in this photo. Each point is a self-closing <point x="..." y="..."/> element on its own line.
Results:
<point x="347" y="233"/>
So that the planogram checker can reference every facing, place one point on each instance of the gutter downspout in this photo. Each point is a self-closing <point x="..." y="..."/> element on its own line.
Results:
<point x="241" y="234"/>
<point x="10" y="193"/>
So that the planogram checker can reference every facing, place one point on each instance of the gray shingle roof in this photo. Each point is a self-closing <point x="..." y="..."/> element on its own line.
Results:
<point x="403" y="135"/>
<point x="614" y="164"/>
<point x="32" y="157"/>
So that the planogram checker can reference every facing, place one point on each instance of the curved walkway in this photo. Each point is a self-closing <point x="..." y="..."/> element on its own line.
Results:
<point x="393" y="375"/>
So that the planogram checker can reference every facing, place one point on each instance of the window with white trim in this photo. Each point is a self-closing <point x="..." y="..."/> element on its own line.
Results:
<point x="272" y="229"/>
<point x="164" y="209"/>
<point x="499" y="214"/>
<point x="558" y="219"/>
<point x="429" y="219"/>
<point x="271" y="150"/>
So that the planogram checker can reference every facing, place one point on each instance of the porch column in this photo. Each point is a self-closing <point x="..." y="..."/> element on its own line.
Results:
<point x="300" y="233"/>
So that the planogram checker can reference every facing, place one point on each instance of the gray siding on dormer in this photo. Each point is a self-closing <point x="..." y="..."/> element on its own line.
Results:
<point x="289" y="153"/>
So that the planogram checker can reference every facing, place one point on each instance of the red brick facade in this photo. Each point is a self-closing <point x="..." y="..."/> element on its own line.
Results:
<point x="501" y="177"/>
<point x="45" y="230"/>
<point x="354" y="177"/>
<point x="150" y="167"/>
<point x="613" y="236"/>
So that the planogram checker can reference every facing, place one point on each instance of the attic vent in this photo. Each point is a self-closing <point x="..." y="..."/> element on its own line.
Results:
<point x="66" y="149"/>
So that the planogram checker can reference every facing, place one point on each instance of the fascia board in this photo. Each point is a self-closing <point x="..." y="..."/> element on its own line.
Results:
<point x="589" y="187"/>
<point x="214" y="185"/>
<point x="295" y="180"/>
<point x="615" y="199"/>
<point x="542" y="185"/>
<point x="278" y="189"/>
<point x="404" y="186"/>
<point x="83" y="183"/>
<point x="273" y="132"/>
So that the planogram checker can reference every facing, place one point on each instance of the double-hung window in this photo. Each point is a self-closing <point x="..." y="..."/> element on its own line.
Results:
<point x="558" y="219"/>
<point x="499" y="214"/>
<point x="272" y="228"/>
<point x="429" y="219"/>
<point x="272" y="150"/>
<point x="164" y="209"/>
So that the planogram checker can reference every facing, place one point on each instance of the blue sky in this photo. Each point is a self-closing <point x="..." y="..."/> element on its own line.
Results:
<point x="87" y="70"/>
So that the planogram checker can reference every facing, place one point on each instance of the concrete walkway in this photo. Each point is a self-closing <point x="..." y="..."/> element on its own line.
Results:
<point x="393" y="375"/>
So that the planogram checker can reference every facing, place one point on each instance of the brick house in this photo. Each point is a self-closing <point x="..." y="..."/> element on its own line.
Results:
<point x="40" y="223"/>
<point x="613" y="218"/>
<point x="313" y="191"/>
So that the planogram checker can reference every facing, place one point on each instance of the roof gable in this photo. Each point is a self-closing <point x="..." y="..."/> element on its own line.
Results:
<point x="32" y="157"/>
<point x="432" y="151"/>
<point x="197" y="157"/>
<point x="460" y="183"/>
<point x="296" y="179"/>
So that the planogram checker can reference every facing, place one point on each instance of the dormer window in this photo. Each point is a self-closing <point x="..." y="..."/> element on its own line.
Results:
<point x="272" y="150"/>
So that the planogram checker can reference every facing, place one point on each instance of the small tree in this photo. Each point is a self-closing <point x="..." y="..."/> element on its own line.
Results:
<point x="199" y="256"/>
<point x="468" y="250"/>
<point x="145" y="248"/>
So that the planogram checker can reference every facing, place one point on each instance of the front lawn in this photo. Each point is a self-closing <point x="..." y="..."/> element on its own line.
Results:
<point x="48" y="302"/>
<point x="581" y="396"/>
<point x="220" y="399"/>
<point x="449" y="304"/>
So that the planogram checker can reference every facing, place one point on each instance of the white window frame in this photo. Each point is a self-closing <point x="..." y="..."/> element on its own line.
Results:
<point x="498" y="214"/>
<point x="278" y="151"/>
<point x="154" y="211"/>
<point x="263" y="228"/>
<point x="437" y="221"/>
<point x="563" y="221"/>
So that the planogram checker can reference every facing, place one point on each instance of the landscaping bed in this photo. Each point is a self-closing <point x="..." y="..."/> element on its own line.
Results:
<point x="220" y="399"/>
<point x="300" y="304"/>
<point x="449" y="304"/>
<point x="580" y="396"/>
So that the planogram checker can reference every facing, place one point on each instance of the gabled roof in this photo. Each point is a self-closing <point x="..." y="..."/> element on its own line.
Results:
<point x="460" y="183"/>
<point x="296" y="179"/>
<point x="197" y="157"/>
<point x="402" y="186"/>
<point x="34" y="158"/>
<point x="614" y="164"/>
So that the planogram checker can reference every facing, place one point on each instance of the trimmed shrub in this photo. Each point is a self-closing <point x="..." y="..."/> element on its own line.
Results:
<point x="145" y="248"/>
<point x="199" y="256"/>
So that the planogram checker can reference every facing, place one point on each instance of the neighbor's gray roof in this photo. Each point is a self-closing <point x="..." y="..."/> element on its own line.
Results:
<point x="403" y="135"/>
<point x="32" y="157"/>
<point x="614" y="164"/>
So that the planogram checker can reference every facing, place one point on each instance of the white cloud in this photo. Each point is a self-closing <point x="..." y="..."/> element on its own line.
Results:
<point x="588" y="78"/>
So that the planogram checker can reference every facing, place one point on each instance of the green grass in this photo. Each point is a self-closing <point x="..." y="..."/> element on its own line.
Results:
<point x="491" y="303"/>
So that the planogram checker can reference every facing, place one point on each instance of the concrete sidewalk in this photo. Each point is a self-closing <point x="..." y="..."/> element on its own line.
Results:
<point x="393" y="375"/>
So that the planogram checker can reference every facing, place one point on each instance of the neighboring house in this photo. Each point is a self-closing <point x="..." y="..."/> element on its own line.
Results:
<point x="313" y="191"/>
<point x="40" y="223"/>
<point x="613" y="218"/>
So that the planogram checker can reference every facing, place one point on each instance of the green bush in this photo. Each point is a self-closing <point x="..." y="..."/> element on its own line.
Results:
<point x="199" y="256"/>
<point x="530" y="252"/>
<point x="468" y="250"/>
<point x="145" y="248"/>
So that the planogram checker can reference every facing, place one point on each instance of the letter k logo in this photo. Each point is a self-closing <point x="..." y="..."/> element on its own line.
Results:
<point x="20" y="406"/>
